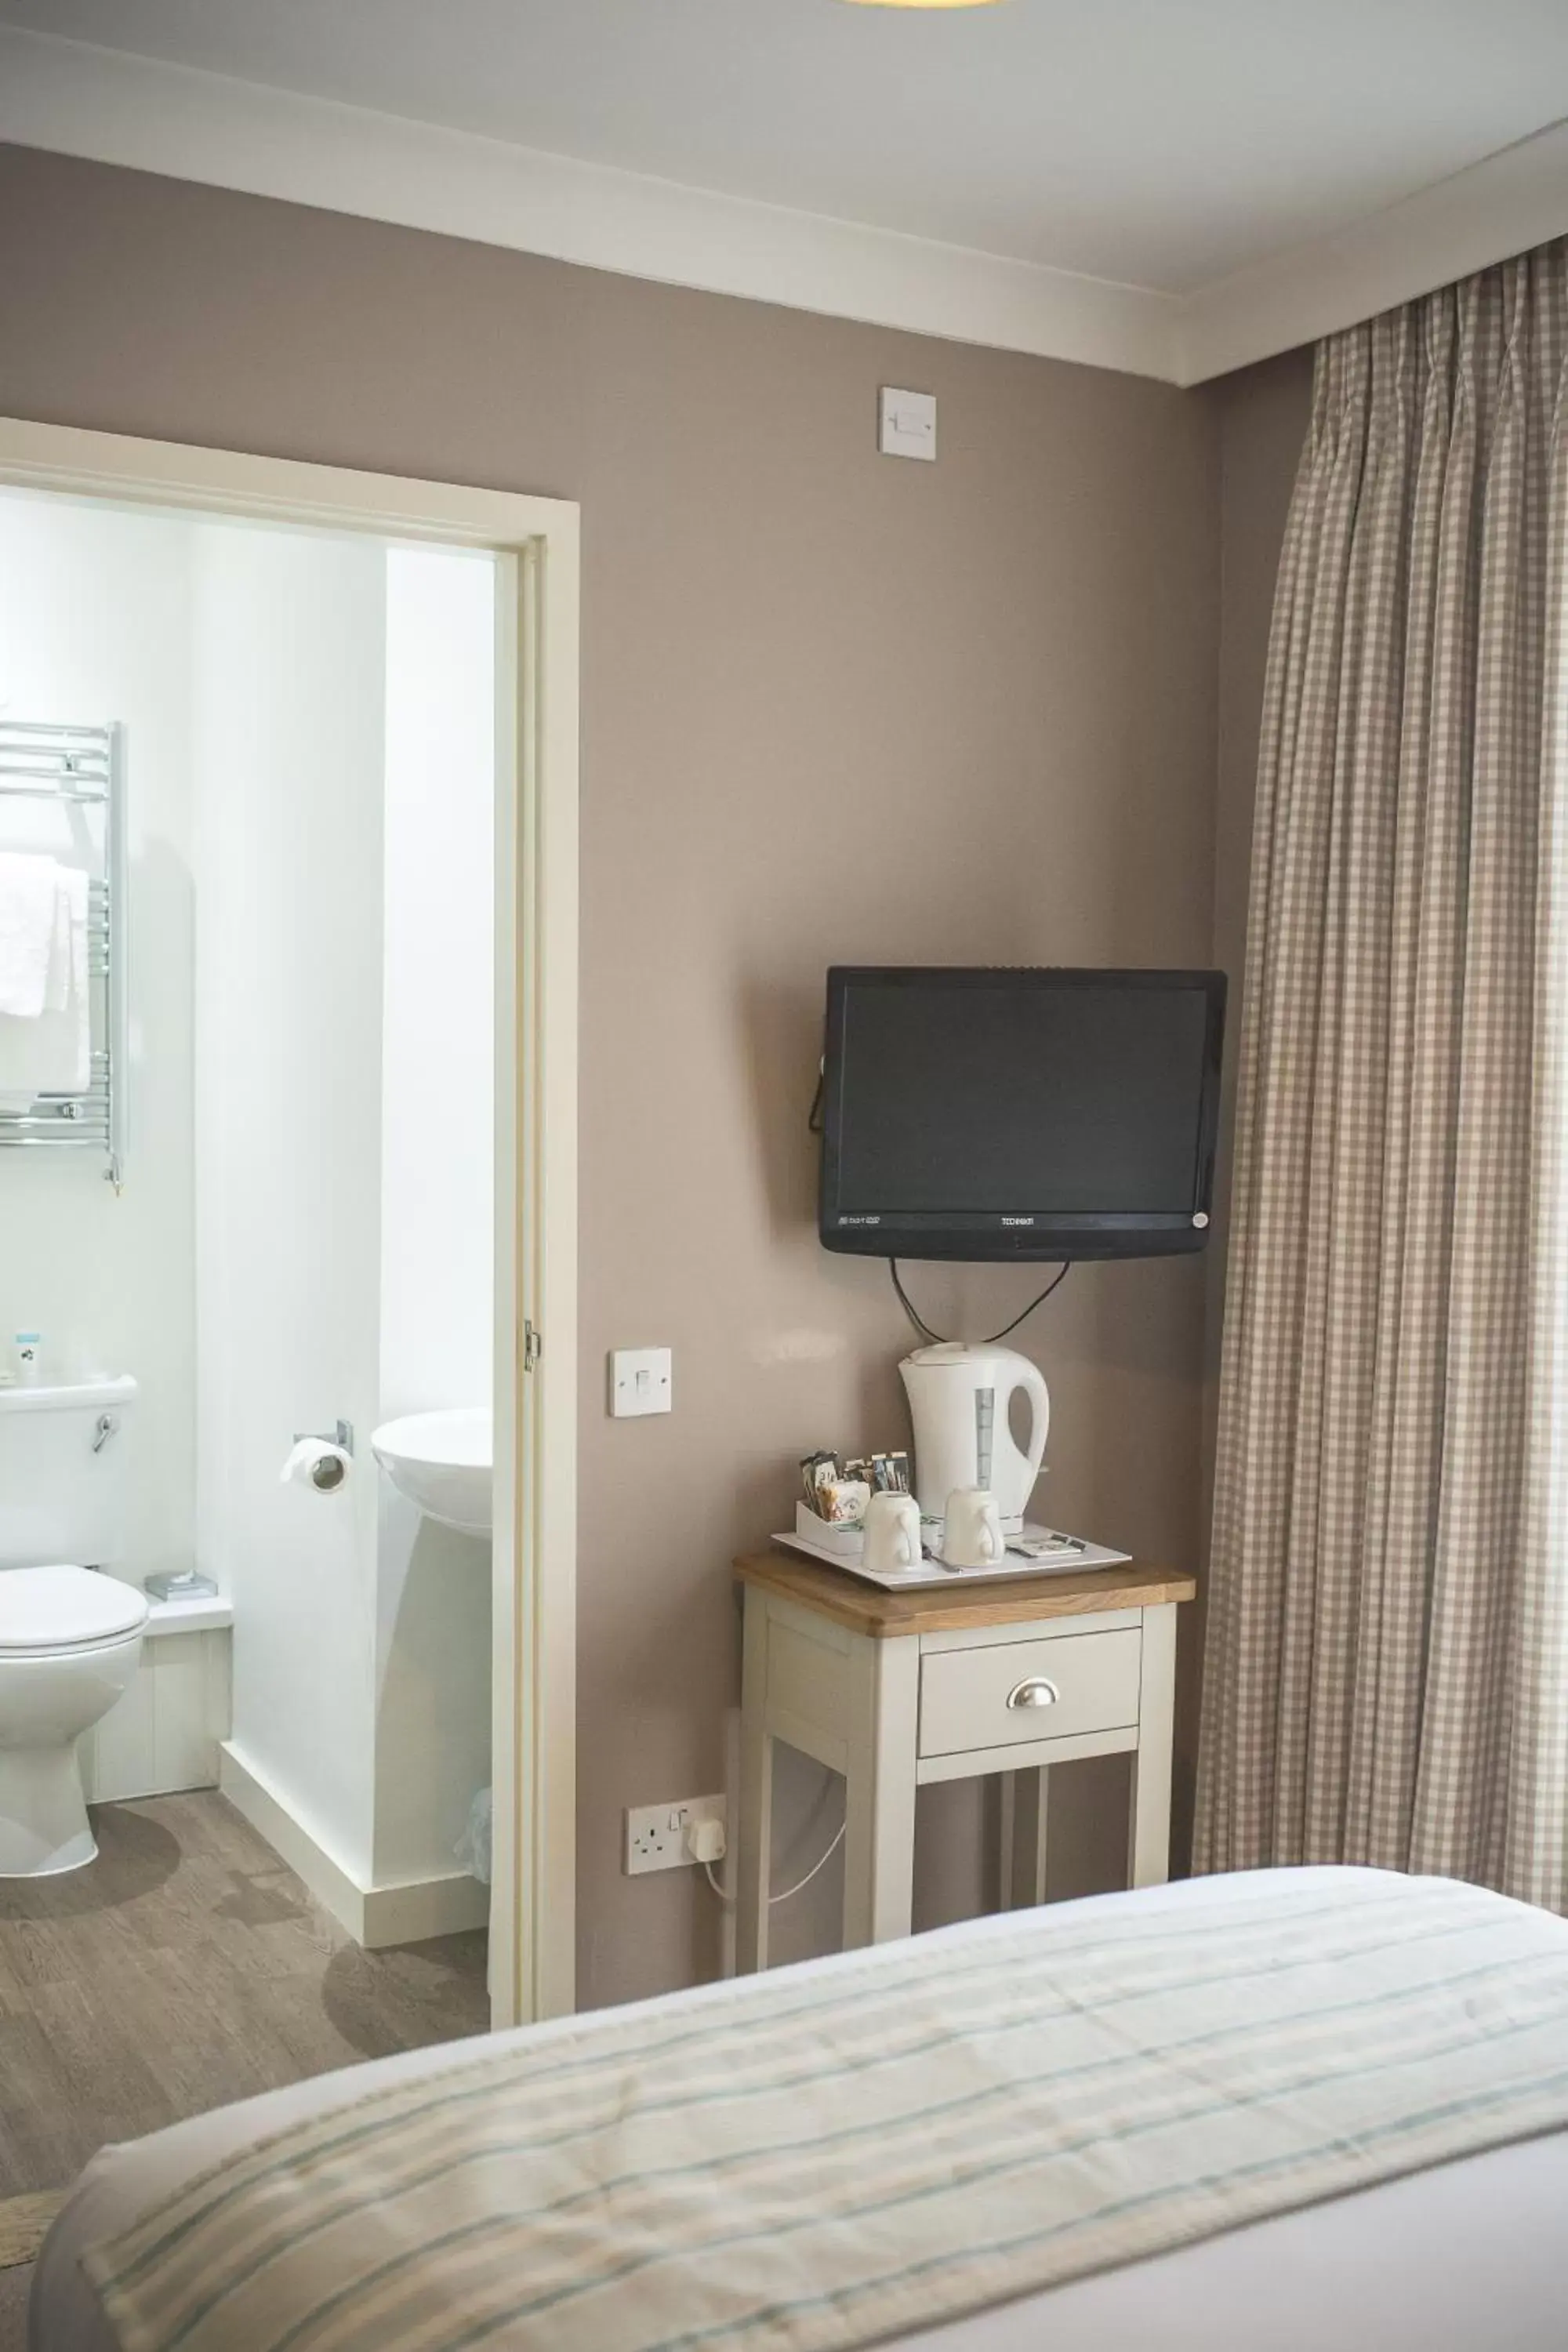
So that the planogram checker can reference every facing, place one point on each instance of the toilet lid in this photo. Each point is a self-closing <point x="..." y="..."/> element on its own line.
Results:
<point x="66" y="1609"/>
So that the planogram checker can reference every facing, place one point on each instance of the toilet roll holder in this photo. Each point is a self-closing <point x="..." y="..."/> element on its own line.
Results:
<point x="328" y="1475"/>
<point x="341" y="1433"/>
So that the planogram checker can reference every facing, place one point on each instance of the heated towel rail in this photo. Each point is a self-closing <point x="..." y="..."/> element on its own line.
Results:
<point x="82" y="768"/>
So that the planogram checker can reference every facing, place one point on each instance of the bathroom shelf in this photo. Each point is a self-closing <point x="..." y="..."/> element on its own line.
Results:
<point x="82" y="768"/>
<point x="203" y="1612"/>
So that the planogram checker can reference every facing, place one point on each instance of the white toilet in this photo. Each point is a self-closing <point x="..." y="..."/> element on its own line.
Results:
<point x="70" y="1637"/>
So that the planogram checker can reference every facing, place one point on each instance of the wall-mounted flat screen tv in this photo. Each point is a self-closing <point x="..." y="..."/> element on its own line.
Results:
<point x="1027" y="1114"/>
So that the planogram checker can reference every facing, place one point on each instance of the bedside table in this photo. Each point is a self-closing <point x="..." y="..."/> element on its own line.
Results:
<point x="947" y="1683"/>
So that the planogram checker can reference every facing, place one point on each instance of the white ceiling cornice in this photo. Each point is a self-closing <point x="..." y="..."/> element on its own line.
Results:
<point x="1501" y="206"/>
<point x="154" y="117"/>
<point x="75" y="98"/>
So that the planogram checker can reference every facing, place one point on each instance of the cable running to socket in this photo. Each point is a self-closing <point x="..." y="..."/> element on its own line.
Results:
<point x="729" y="1900"/>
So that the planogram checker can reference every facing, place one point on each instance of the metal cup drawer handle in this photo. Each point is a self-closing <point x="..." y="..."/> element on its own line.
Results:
<point x="1033" y="1691"/>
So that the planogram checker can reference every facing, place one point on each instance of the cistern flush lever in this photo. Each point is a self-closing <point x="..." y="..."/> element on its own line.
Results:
<point x="103" y="1430"/>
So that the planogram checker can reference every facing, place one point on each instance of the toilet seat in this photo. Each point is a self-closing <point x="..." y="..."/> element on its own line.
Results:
<point x="66" y="1610"/>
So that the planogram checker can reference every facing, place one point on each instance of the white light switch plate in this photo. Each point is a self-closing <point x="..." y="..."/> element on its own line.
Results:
<point x="908" y="423"/>
<point x="639" y="1380"/>
<point x="655" y="1834"/>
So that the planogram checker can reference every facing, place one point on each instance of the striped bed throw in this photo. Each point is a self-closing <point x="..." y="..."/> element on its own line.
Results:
<point x="819" y="2158"/>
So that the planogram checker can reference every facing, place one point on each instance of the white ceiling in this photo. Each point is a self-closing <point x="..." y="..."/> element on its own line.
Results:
<point x="1158" y="144"/>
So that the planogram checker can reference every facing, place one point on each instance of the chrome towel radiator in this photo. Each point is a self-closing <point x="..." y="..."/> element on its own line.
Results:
<point x="83" y="769"/>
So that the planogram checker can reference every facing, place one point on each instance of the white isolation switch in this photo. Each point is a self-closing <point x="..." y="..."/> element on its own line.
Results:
<point x="909" y="423"/>
<point x="639" y="1380"/>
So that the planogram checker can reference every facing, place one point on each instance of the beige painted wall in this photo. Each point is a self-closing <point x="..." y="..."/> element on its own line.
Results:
<point x="835" y="706"/>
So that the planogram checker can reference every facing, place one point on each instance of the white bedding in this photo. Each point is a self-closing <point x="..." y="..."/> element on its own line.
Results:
<point x="1470" y="2253"/>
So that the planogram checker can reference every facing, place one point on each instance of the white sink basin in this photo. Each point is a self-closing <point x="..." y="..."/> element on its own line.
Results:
<point x="442" y="1461"/>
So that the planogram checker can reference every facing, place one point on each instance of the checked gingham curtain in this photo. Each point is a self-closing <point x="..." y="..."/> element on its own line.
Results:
<point x="1386" y="1678"/>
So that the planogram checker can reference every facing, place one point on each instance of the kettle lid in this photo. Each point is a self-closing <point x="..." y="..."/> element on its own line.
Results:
<point x="958" y="1355"/>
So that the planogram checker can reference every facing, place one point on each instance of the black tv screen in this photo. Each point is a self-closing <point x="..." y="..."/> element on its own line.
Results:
<point x="1029" y="1114"/>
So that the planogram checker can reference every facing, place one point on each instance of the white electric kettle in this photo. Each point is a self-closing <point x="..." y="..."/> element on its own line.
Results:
<point x="959" y="1401"/>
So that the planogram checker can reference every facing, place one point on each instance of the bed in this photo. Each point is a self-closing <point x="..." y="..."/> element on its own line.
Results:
<point x="1453" y="2240"/>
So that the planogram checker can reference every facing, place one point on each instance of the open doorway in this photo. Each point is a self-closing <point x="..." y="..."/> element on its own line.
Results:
<point x="343" y="1195"/>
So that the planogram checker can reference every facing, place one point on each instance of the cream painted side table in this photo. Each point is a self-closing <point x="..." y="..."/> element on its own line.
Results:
<point x="894" y="1689"/>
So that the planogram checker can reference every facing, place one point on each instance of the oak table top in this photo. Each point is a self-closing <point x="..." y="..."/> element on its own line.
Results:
<point x="883" y="1615"/>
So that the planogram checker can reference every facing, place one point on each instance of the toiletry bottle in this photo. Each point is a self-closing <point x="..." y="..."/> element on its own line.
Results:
<point x="27" y="1354"/>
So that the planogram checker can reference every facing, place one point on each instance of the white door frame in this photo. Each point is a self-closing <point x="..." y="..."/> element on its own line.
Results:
<point x="535" y="540"/>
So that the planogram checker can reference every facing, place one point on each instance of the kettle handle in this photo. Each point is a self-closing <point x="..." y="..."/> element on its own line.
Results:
<point x="1033" y="1381"/>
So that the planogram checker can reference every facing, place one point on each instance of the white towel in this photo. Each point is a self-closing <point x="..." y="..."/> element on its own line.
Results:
<point x="30" y="916"/>
<point x="49" y="1050"/>
<point x="67" y="986"/>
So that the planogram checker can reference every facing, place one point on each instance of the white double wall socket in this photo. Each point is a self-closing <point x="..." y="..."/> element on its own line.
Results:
<point x="657" y="1834"/>
<point x="639" y="1380"/>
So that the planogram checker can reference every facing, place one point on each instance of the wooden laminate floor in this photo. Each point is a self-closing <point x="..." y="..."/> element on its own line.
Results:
<point x="15" y="2288"/>
<point x="185" y="1968"/>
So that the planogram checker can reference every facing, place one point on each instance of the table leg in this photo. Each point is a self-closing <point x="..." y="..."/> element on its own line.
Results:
<point x="1024" y="1799"/>
<point x="879" y="1797"/>
<point x="755" y="1861"/>
<point x="1149" y="1826"/>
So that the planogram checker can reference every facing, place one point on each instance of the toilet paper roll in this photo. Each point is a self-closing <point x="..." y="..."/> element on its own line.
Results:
<point x="315" y="1462"/>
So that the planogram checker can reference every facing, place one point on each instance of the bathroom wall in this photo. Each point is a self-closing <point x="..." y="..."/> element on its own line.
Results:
<point x="437" y="1114"/>
<point x="344" y="800"/>
<point x="94" y="624"/>
<point x="437" y="1119"/>
<point x="289" y="635"/>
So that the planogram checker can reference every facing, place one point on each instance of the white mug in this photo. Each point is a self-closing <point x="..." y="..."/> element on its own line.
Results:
<point x="892" y="1534"/>
<point x="971" y="1536"/>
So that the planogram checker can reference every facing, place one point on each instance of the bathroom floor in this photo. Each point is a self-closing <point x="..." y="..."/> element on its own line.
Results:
<point x="185" y="1968"/>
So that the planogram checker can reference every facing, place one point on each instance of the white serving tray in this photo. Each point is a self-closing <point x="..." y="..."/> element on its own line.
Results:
<point x="931" y="1571"/>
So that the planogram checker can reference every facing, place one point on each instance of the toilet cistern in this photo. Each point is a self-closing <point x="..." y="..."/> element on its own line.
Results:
<point x="443" y="1461"/>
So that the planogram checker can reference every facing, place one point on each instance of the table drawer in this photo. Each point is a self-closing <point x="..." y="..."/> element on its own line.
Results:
<point x="1014" y="1692"/>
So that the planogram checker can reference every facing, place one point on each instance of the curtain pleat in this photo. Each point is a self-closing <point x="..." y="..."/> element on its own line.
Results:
<point x="1387" y="1677"/>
